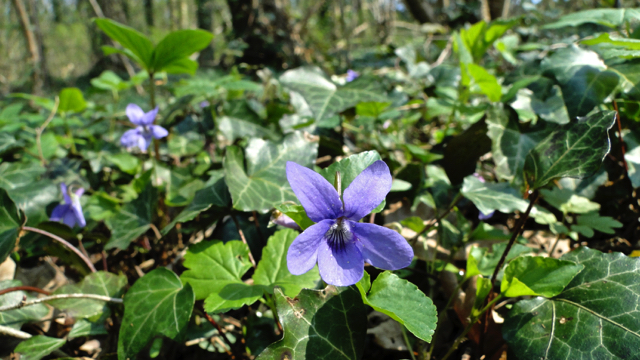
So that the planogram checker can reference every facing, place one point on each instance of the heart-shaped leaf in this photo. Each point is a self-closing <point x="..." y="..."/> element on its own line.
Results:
<point x="133" y="220"/>
<point x="157" y="304"/>
<point x="99" y="283"/>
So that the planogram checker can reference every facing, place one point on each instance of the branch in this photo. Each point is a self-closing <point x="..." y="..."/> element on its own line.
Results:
<point x="63" y="242"/>
<point x="58" y="297"/>
<point x="5" y="330"/>
<point x="24" y="288"/>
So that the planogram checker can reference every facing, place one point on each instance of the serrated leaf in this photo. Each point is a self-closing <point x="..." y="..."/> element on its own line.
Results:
<point x="264" y="182"/>
<point x="595" y="317"/>
<point x="15" y="318"/>
<point x="537" y="276"/>
<point x="573" y="150"/>
<point x="605" y="224"/>
<point x="157" y="304"/>
<point x="320" y="324"/>
<point x="273" y="271"/>
<point x="568" y="201"/>
<point x="215" y="273"/>
<point x="99" y="283"/>
<point x="133" y="220"/>
<point x="403" y="302"/>
<point x="37" y="347"/>
<point x="324" y="98"/>
<point x="488" y="197"/>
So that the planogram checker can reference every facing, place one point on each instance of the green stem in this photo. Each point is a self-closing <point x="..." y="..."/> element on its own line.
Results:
<point x="152" y="102"/>
<point x="70" y="136"/>
<point x="406" y="341"/>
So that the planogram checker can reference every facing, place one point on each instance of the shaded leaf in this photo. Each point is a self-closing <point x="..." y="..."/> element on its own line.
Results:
<point x="320" y="324"/>
<point x="588" y="88"/>
<point x="565" y="63"/>
<point x="573" y="150"/>
<point x="595" y="317"/>
<point x="178" y="45"/>
<point x="537" y="276"/>
<point x="157" y="304"/>
<point x="139" y="46"/>
<point x="10" y="223"/>
<point x="15" y="318"/>
<point x="234" y="128"/>
<point x="488" y="197"/>
<point x="39" y="346"/>
<point x="133" y="220"/>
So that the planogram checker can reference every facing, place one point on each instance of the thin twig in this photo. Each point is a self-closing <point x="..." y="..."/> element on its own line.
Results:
<point x="437" y="220"/>
<point x="220" y="332"/>
<point x="244" y="240"/>
<point x="444" y="54"/>
<point x="24" y="288"/>
<point x="622" y="144"/>
<point x="58" y="297"/>
<point x="40" y="130"/>
<point x="63" y="242"/>
<point x="5" y="330"/>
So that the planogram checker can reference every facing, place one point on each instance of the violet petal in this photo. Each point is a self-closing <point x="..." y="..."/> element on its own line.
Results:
<point x="303" y="252"/>
<point x="382" y="247"/>
<point x="342" y="267"/>
<point x="319" y="199"/>
<point x="158" y="131"/>
<point x="367" y="190"/>
<point x="135" y="114"/>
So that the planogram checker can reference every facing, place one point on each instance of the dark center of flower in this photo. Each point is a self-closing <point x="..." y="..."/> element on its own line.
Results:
<point x="339" y="234"/>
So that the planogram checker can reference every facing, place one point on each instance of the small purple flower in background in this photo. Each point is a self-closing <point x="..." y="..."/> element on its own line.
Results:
<point x="352" y="75"/>
<point x="282" y="219"/>
<point x="204" y="104"/>
<point x="71" y="211"/>
<point x="483" y="216"/>
<point x="338" y="242"/>
<point x="141" y="136"/>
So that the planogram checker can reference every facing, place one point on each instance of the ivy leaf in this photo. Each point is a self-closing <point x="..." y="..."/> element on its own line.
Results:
<point x="214" y="194"/>
<point x="272" y="269"/>
<point x="402" y="301"/>
<point x="573" y="150"/>
<point x="488" y="197"/>
<point x="612" y="18"/>
<point x="234" y="128"/>
<point x="16" y="317"/>
<point x="593" y="221"/>
<point x="565" y="63"/>
<point x="264" y="182"/>
<point x="588" y="88"/>
<point x="10" y="223"/>
<point x="323" y="96"/>
<point x="595" y="317"/>
<point x="215" y="274"/>
<point x="39" y="346"/>
<point x="133" y="220"/>
<point x="537" y="276"/>
<point x="320" y="324"/>
<point x="157" y="304"/>
<point x="99" y="283"/>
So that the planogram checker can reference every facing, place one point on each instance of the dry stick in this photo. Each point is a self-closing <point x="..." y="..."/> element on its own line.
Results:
<point x="222" y="334"/>
<point x="244" y="240"/>
<point x="63" y="242"/>
<point x="622" y="145"/>
<point x="40" y="130"/>
<point x="24" y="288"/>
<point x="61" y="296"/>
<point x="5" y="330"/>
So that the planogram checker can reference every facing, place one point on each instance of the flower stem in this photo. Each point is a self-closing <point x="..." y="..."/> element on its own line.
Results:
<point x="63" y="242"/>
<point x="244" y="240"/>
<point x="40" y="130"/>
<point x="437" y="220"/>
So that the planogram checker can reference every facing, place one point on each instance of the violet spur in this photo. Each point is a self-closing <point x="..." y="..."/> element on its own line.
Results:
<point x="338" y="242"/>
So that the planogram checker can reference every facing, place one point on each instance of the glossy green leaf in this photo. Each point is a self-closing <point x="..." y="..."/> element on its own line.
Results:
<point x="71" y="100"/>
<point x="182" y="66"/>
<point x="234" y="128"/>
<point x="157" y="304"/>
<point x="215" y="273"/>
<point x="15" y="318"/>
<point x="588" y="88"/>
<point x="595" y="317"/>
<point x="403" y="302"/>
<point x="264" y="182"/>
<point x="593" y="221"/>
<point x="349" y="167"/>
<point x="37" y="347"/>
<point x="481" y="261"/>
<point x="14" y="175"/>
<point x="324" y="98"/>
<point x="178" y="45"/>
<point x="566" y="62"/>
<point x="510" y="144"/>
<point x="84" y="327"/>
<point x="10" y="222"/>
<point x="296" y="213"/>
<point x="272" y="269"/>
<point x="133" y="220"/>
<point x="488" y="197"/>
<point x="553" y="108"/>
<point x="214" y="194"/>
<point x="612" y="18"/>
<point x="537" y="276"/>
<point x="139" y="46"/>
<point x="320" y="324"/>
<point x="573" y="150"/>
<point x="488" y="83"/>
<point x="99" y="283"/>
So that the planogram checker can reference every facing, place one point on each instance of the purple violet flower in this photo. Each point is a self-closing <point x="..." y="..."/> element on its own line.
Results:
<point x="71" y="211"/>
<point x="338" y="242"/>
<point x="141" y="136"/>
<point x="352" y="75"/>
<point x="283" y="219"/>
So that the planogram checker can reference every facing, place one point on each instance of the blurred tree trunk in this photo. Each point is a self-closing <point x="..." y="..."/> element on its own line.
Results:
<point x="57" y="10"/>
<point x="32" y="45"/>
<point x="172" y="15"/>
<point x="35" y="22"/>
<point x="267" y="31"/>
<point x="148" y="12"/>
<point x="499" y="8"/>
<point x="421" y="10"/>
<point x="205" y="22"/>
